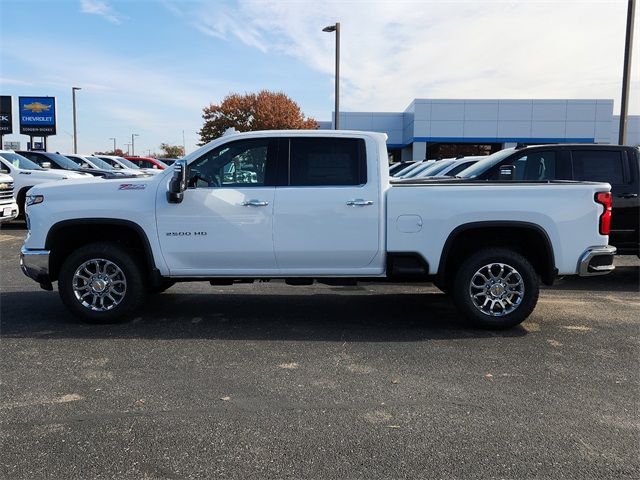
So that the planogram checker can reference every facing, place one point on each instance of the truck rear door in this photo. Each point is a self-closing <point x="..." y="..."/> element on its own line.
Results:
<point x="327" y="207"/>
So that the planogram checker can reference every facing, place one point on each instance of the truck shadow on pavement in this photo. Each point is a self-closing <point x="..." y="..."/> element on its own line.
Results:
<point x="314" y="317"/>
<point x="622" y="279"/>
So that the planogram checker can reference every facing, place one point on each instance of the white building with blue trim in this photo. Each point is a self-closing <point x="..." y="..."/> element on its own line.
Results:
<point x="430" y="128"/>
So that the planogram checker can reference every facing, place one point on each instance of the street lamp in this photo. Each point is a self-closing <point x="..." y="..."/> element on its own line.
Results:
<point x="133" y="135"/>
<point x="114" y="144"/>
<point x="127" y="145"/>
<point x="75" y="131"/>
<point x="336" y="28"/>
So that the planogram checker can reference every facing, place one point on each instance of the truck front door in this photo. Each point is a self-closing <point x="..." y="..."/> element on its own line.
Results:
<point x="224" y="224"/>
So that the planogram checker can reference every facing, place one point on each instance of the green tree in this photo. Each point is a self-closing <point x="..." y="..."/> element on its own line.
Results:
<point x="171" y="151"/>
<point x="264" y="110"/>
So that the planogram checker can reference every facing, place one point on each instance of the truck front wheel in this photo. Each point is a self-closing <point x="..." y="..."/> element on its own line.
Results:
<point x="496" y="288"/>
<point x="101" y="283"/>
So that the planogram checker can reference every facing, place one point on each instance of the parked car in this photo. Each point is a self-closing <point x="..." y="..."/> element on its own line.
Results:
<point x="120" y="162"/>
<point x="318" y="205"/>
<point x="458" y="165"/>
<point x="614" y="164"/>
<point x="8" y="206"/>
<point x="55" y="161"/>
<point x="428" y="169"/>
<point x="147" y="162"/>
<point x="396" y="167"/>
<point x="90" y="161"/>
<point x="26" y="174"/>
<point x="416" y="165"/>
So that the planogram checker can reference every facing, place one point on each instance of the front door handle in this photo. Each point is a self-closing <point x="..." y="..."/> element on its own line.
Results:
<point x="254" y="203"/>
<point x="359" y="202"/>
<point x="627" y="195"/>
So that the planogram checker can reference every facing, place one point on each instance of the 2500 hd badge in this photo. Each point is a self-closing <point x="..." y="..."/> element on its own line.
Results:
<point x="186" y="234"/>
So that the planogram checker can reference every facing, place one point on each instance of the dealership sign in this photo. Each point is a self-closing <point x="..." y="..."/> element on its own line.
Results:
<point x="37" y="116"/>
<point x="6" y="124"/>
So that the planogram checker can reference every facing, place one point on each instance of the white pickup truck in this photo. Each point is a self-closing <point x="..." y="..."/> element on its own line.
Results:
<point x="308" y="206"/>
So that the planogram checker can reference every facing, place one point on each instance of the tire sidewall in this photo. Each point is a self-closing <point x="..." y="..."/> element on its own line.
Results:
<point x="470" y="266"/>
<point x="124" y="260"/>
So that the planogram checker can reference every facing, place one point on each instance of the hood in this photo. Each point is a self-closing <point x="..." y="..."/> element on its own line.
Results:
<point x="105" y="186"/>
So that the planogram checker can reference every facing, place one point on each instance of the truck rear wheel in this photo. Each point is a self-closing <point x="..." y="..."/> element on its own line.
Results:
<point x="101" y="283"/>
<point x="496" y="288"/>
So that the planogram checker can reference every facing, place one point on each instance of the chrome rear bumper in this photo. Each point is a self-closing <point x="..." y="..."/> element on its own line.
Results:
<point x="597" y="261"/>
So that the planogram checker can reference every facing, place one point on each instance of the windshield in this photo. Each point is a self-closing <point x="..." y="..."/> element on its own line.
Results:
<point x="127" y="163"/>
<point x="434" y="168"/>
<point x="18" y="161"/>
<point x="99" y="163"/>
<point x="62" y="161"/>
<point x="485" y="164"/>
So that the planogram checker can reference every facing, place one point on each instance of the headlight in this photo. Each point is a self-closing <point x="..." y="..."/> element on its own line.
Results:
<point x="34" y="199"/>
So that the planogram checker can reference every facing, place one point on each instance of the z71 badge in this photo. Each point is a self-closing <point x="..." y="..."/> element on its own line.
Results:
<point x="132" y="186"/>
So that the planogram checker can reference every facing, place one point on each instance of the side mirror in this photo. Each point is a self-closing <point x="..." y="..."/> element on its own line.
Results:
<point x="178" y="183"/>
<point x="507" y="172"/>
<point x="46" y="165"/>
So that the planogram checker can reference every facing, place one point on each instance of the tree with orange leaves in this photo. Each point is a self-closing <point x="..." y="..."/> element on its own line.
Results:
<point x="262" y="111"/>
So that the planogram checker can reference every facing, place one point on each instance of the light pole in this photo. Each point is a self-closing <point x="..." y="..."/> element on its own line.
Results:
<point x="133" y="136"/>
<point x="75" y="130"/>
<point x="336" y="28"/>
<point x="628" y="45"/>
<point x="114" y="144"/>
<point x="127" y="145"/>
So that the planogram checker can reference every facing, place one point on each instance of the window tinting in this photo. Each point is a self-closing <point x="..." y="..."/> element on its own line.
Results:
<point x="598" y="166"/>
<point x="327" y="161"/>
<point x="536" y="166"/>
<point x="237" y="164"/>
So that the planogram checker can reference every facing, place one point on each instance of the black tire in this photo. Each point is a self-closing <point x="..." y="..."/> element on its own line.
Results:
<point x="522" y="296"/>
<point x="129" y="300"/>
<point x="165" y="284"/>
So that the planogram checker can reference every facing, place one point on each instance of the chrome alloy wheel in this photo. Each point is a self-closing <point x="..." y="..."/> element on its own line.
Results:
<point x="99" y="285"/>
<point x="496" y="289"/>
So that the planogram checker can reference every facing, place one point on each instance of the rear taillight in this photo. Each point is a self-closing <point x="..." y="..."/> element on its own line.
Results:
<point x="604" y="199"/>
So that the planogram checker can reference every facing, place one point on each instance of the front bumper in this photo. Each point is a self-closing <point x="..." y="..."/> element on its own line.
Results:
<point x="597" y="261"/>
<point x="35" y="265"/>
<point x="12" y="214"/>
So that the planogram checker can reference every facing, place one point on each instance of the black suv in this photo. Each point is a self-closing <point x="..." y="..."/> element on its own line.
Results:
<point x="613" y="164"/>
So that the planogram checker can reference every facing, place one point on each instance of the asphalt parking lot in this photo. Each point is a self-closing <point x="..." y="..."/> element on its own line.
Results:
<point x="273" y="381"/>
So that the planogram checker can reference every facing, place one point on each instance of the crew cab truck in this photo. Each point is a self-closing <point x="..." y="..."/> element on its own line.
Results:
<point x="308" y="206"/>
<point x="8" y="205"/>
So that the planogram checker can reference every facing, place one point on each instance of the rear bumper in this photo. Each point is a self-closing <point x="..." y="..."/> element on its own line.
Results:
<point x="596" y="261"/>
<point x="35" y="265"/>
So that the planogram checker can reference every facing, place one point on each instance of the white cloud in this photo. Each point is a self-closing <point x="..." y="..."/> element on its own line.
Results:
<point x="395" y="51"/>
<point x="101" y="8"/>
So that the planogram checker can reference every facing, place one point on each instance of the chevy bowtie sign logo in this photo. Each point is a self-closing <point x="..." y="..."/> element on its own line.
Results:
<point x="6" y="126"/>
<point x="37" y="116"/>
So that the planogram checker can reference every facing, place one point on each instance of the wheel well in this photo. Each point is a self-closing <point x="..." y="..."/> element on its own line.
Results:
<point x="528" y="240"/>
<point x="65" y="237"/>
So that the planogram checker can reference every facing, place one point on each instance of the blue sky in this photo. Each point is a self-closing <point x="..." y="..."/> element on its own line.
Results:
<point x="148" y="67"/>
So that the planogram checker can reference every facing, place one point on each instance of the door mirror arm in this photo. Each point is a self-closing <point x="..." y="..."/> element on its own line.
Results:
<point x="178" y="183"/>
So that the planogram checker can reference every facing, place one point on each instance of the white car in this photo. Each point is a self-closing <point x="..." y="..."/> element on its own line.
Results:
<point x="120" y="163"/>
<point x="26" y="174"/>
<point x="312" y="205"/>
<point x="91" y="161"/>
<point x="8" y="205"/>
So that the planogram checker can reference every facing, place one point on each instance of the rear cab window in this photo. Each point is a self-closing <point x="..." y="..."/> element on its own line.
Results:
<point x="327" y="161"/>
<point x="600" y="166"/>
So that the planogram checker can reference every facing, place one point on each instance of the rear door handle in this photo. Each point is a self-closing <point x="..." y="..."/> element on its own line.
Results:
<point x="359" y="202"/>
<point x="254" y="203"/>
<point x="627" y="195"/>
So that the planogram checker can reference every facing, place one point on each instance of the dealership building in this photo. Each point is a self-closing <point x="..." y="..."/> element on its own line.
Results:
<point x="430" y="128"/>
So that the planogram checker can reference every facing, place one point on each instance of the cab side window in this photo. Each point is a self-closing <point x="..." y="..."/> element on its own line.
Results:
<point x="536" y="166"/>
<point x="598" y="166"/>
<point x="323" y="161"/>
<point x="236" y="164"/>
